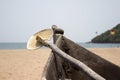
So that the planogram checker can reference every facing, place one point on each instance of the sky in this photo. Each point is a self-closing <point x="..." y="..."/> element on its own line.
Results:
<point x="80" y="19"/>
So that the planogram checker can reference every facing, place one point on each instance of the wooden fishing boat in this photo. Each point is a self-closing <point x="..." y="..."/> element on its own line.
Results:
<point x="58" y="68"/>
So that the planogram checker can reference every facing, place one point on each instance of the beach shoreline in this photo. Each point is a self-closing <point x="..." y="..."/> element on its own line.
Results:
<point x="29" y="64"/>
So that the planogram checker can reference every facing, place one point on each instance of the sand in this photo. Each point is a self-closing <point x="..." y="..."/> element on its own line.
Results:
<point x="110" y="54"/>
<point x="29" y="65"/>
<point x="22" y="64"/>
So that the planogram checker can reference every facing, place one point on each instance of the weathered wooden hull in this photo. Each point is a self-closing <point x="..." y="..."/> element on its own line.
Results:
<point x="58" y="68"/>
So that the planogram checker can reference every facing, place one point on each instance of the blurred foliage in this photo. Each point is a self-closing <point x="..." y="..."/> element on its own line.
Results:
<point x="106" y="37"/>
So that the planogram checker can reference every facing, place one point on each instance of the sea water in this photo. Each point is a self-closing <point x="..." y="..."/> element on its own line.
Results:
<point x="86" y="45"/>
<point x="13" y="45"/>
<point x="100" y="45"/>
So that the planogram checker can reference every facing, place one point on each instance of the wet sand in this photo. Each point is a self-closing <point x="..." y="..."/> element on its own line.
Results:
<point x="29" y="65"/>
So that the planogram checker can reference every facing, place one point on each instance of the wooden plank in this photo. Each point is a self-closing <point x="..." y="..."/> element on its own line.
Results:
<point x="74" y="61"/>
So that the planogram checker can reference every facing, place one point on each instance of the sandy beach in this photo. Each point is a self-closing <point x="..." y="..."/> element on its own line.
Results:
<point x="29" y="65"/>
<point x="110" y="54"/>
<point x="22" y="64"/>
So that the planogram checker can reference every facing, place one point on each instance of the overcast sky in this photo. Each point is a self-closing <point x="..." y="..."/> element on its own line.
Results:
<point x="80" y="19"/>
